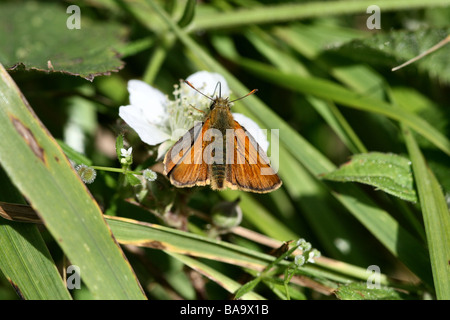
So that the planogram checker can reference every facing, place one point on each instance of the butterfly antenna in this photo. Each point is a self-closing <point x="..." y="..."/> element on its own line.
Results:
<point x="251" y="92"/>
<point x="190" y="85"/>
<point x="220" y="89"/>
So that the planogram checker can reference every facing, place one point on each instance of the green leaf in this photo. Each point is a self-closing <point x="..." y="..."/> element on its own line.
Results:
<point x="388" y="172"/>
<point x="132" y="179"/>
<point x="360" y="291"/>
<point x="38" y="38"/>
<point x="39" y="169"/>
<point x="396" y="47"/>
<point x="119" y="146"/>
<point x="436" y="217"/>
<point x="247" y="287"/>
<point x="74" y="155"/>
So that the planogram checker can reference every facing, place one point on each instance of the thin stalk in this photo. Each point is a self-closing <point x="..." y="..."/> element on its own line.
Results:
<point x="118" y="170"/>
<point x="290" y="12"/>
<point x="158" y="57"/>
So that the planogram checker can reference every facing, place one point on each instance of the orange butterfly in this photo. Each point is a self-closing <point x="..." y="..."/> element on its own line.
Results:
<point x="221" y="153"/>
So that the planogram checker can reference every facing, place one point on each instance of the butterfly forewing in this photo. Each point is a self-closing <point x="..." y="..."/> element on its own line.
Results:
<point x="250" y="170"/>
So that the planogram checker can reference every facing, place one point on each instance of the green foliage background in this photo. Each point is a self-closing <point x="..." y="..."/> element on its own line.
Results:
<point x="364" y="151"/>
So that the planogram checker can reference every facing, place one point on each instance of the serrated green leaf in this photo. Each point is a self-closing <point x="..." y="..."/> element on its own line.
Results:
<point x="38" y="38"/>
<point x="388" y="172"/>
<point x="396" y="47"/>
<point x="435" y="216"/>
<point x="360" y="291"/>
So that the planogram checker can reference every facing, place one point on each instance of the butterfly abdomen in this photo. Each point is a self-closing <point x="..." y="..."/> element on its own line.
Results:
<point x="217" y="176"/>
<point x="221" y="119"/>
<point x="218" y="167"/>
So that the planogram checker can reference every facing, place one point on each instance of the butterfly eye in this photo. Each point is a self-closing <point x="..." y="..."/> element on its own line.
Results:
<point x="212" y="106"/>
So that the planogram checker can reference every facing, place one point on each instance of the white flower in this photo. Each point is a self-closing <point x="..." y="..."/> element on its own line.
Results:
<point x="299" y="260"/>
<point x="313" y="254"/>
<point x="126" y="153"/>
<point x="158" y="120"/>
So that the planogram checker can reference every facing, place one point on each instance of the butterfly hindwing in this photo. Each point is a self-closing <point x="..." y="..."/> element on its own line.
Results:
<point x="184" y="162"/>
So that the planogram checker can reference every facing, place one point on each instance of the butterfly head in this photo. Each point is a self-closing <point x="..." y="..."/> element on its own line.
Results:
<point x="219" y="103"/>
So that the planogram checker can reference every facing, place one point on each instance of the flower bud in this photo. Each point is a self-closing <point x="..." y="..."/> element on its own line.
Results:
<point x="227" y="215"/>
<point x="299" y="260"/>
<point x="149" y="175"/>
<point x="86" y="173"/>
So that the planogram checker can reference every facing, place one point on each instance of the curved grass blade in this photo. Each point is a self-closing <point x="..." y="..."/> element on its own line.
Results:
<point x="143" y="234"/>
<point x="257" y="215"/>
<point x="24" y="258"/>
<point x="326" y="89"/>
<point x="228" y="284"/>
<point x="287" y="63"/>
<point x="40" y="170"/>
<point x="436" y="217"/>
<point x="155" y="236"/>
<point x="291" y="11"/>
<point x="27" y="264"/>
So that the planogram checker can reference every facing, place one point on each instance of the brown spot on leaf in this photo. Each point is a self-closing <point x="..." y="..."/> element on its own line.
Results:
<point x="154" y="244"/>
<point x="16" y="288"/>
<point x="29" y="138"/>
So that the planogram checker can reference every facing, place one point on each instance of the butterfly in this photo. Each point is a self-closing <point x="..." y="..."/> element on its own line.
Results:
<point x="221" y="153"/>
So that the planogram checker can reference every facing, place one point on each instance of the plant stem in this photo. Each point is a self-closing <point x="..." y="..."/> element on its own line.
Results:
<point x="110" y="169"/>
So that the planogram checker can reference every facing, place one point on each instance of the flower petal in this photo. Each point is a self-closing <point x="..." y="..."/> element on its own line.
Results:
<point x="163" y="148"/>
<point x="150" y="101"/>
<point x="148" y="132"/>
<point x="254" y="130"/>
<point x="206" y="82"/>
